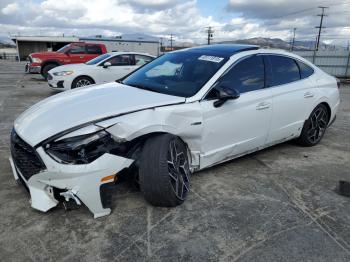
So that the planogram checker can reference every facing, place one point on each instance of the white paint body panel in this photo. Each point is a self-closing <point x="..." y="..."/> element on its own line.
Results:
<point x="73" y="108"/>
<point x="255" y="120"/>
<point x="238" y="126"/>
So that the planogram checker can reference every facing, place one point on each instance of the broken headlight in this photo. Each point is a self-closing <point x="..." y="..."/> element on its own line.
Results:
<point x="82" y="149"/>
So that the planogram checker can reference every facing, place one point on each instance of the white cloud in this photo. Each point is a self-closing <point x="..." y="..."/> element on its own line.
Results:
<point x="183" y="18"/>
<point x="10" y="9"/>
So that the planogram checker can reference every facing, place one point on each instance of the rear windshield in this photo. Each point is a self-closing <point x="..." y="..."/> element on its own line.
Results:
<point x="97" y="59"/>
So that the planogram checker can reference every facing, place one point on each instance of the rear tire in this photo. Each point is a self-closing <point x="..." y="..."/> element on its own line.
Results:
<point x="164" y="173"/>
<point x="82" y="81"/>
<point x="314" y="127"/>
<point x="46" y="69"/>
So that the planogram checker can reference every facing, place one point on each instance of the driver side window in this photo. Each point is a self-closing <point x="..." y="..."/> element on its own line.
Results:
<point x="247" y="75"/>
<point x="121" y="60"/>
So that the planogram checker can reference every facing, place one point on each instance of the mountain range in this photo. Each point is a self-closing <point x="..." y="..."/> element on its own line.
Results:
<point x="5" y="41"/>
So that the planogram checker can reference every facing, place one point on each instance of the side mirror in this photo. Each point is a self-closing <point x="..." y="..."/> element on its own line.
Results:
<point x="224" y="94"/>
<point x="107" y="64"/>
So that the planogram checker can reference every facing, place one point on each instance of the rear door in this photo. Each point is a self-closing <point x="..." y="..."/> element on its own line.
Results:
<point x="293" y="96"/>
<point x="239" y="125"/>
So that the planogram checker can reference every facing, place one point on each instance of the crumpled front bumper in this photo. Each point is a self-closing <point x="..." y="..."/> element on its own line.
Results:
<point x="81" y="181"/>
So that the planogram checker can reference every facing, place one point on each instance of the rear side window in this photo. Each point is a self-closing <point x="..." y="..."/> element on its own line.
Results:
<point x="247" y="75"/>
<point x="93" y="49"/>
<point x="142" y="59"/>
<point x="305" y="70"/>
<point x="284" y="70"/>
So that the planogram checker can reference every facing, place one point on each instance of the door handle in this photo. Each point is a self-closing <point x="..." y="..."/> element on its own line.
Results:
<point x="263" y="105"/>
<point x="308" y="95"/>
<point x="81" y="56"/>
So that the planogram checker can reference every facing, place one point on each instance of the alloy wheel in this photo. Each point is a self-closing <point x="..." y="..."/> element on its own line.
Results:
<point x="83" y="82"/>
<point x="178" y="169"/>
<point x="318" y="124"/>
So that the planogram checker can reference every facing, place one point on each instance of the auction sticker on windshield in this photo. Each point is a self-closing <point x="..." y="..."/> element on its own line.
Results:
<point x="210" y="58"/>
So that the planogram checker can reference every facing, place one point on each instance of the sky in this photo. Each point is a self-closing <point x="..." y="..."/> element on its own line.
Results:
<point x="187" y="20"/>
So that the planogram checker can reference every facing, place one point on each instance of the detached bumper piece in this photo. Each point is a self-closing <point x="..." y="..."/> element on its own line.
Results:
<point x="50" y="182"/>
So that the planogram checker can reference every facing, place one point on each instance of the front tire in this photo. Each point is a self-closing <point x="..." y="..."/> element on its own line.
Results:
<point x="82" y="81"/>
<point x="46" y="70"/>
<point x="314" y="127"/>
<point x="164" y="172"/>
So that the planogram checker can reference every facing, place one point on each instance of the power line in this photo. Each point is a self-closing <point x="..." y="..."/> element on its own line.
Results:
<point x="210" y="34"/>
<point x="336" y="4"/>
<point x="320" y="26"/>
<point x="295" y="12"/>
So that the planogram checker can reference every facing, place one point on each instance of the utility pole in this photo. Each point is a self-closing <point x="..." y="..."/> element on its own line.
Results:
<point x="320" y="27"/>
<point x="171" y="41"/>
<point x="210" y="34"/>
<point x="293" y="41"/>
<point x="161" y="45"/>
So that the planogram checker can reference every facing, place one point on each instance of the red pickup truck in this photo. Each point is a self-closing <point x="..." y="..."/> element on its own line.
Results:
<point x="73" y="53"/>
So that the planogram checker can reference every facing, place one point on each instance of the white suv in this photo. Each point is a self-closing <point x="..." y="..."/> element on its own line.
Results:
<point x="182" y="112"/>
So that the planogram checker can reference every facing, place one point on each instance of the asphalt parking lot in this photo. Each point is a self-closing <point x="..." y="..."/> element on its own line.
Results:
<point x="276" y="205"/>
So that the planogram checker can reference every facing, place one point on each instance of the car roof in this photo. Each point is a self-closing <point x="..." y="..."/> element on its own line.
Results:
<point x="226" y="50"/>
<point x="113" y="53"/>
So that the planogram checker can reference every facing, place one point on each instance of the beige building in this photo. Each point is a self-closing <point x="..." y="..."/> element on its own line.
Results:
<point x="30" y="44"/>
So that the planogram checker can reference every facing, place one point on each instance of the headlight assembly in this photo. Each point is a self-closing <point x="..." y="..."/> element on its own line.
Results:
<point x="36" y="60"/>
<point x="63" y="73"/>
<point x="81" y="149"/>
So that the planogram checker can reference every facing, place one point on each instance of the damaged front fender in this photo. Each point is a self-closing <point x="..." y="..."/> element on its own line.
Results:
<point x="183" y="120"/>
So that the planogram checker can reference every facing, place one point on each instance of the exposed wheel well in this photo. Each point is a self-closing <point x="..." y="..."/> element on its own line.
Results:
<point x="137" y="143"/>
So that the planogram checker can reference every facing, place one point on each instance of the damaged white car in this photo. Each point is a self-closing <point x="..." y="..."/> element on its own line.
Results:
<point x="184" y="111"/>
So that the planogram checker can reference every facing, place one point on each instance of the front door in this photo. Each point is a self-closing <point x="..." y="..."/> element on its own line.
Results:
<point x="76" y="54"/>
<point x="121" y="65"/>
<point x="239" y="126"/>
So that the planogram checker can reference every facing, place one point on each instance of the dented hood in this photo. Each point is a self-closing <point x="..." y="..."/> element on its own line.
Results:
<point x="79" y="106"/>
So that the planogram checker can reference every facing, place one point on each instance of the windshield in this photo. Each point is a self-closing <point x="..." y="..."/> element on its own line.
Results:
<point x="97" y="59"/>
<point x="179" y="73"/>
<point x="63" y="49"/>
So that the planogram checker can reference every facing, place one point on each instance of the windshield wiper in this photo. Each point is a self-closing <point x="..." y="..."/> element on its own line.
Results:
<point x="145" y="88"/>
<point x="141" y="87"/>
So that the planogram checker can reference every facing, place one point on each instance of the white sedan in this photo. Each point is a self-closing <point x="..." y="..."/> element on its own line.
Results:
<point x="105" y="68"/>
<point x="182" y="112"/>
